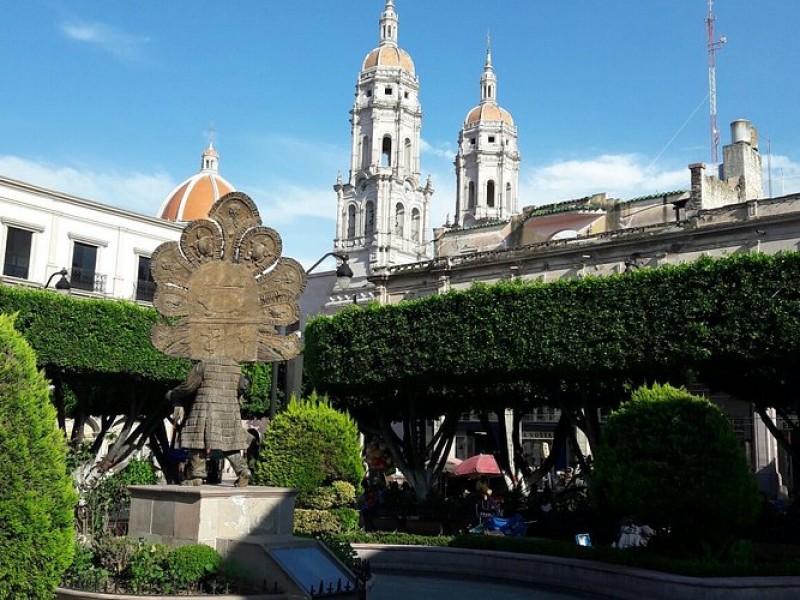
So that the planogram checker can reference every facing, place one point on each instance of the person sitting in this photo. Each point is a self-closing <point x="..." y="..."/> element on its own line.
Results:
<point x="632" y="535"/>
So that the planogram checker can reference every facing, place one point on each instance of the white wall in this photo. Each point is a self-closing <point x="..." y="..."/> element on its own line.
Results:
<point x="58" y="220"/>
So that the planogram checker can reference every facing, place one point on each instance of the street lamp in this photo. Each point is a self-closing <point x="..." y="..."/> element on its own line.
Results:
<point x="343" y="276"/>
<point x="63" y="285"/>
<point x="343" y="272"/>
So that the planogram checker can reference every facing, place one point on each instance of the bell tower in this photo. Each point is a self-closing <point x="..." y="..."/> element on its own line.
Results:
<point x="383" y="205"/>
<point x="487" y="163"/>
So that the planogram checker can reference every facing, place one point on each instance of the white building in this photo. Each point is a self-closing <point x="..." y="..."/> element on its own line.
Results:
<point x="105" y="250"/>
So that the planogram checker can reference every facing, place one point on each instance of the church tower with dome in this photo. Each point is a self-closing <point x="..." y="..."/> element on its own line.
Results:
<point x="382" y="204"/>
<point x="193" y="198"/>
<point x="487" y="163"/>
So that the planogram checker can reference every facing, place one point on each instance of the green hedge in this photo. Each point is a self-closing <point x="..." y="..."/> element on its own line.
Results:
<point x="98" y="336"/>
<point x="643" y="324"/>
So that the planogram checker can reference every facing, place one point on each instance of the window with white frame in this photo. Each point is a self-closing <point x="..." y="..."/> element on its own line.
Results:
<point x="84" y="267"/>
<point x="17" y="260"/>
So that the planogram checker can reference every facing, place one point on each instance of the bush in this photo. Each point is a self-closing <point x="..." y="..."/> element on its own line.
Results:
<point x="311" y="521"/>
<point x="146" y="568"/>
<point x="345" y="493"/>
<point x="36" y="494"/>
<point x="110" y="497"/>
<point x="347" y="518"/>
<point x="341" y="549"/>
<point x="336" y="495"/>
<point x="321" y="498"/>
<point x="83" y="573"/>
<point x="308" y="446"/>
<point x="114" y="553"/>
<point x="671" y="459"/>
<point x="191" y="565"/>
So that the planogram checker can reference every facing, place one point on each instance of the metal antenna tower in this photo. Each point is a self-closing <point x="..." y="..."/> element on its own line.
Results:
<point x="713" y="45"/>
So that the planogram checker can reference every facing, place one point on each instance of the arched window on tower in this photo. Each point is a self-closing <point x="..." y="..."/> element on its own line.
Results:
<point x="351" y="221"/>
<point x="369" y="218"/>
<point x="471" y="195"/>
<point x="399" y="219"/>
<point x="407" y="155"/>
<point x="508" y="196"/>
<point x="386" y="151"/>
<point x="365" y="152"/>
<point x="416" y="225"/>
<point x="490" y="193"/>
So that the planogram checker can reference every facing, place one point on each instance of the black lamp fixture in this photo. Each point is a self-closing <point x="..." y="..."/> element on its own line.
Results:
<point x="62" y="285"/>
<point x="343" y="272"/>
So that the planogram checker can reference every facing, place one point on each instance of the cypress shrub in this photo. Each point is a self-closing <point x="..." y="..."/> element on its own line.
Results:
<point x="671" y="459"/>
<point x="36" y="493"/>
<point x="309" y="446"/>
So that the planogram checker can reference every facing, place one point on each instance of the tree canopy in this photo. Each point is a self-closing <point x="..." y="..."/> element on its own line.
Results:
<point x="576" y="342"/>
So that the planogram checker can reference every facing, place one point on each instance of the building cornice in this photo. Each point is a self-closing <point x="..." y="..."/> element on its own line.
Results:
<point x="85" y="203"/>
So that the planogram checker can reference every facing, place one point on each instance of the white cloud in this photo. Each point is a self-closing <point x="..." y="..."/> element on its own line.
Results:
<point x="618" y="175"/>
<point x="141" y="192"/>
<point x="785" y="175"/>
<point x="118" y="43"/>
<point x="283" y="202"/>
<point x="443" y="150"/>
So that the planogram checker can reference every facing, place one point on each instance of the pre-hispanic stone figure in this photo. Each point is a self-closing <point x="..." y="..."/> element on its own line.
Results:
<point x="226" y="281"/>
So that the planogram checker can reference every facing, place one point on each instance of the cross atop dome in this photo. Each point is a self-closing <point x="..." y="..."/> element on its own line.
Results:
<point x="488" y="79"/>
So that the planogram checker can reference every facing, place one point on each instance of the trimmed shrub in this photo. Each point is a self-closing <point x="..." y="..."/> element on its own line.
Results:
<point x="321" y="498"/>
<point x="345" y="493"/>
<point x="308" y="446"/>
<point x="189" y="566"/>
<point x="36" y="493"/>
<point x="311" y="521"/>
<point x="347" y="518"/>
<point x="671" y="459"/>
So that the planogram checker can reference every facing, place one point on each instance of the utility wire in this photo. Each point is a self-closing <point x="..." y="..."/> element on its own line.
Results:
<point x="677" y="133"/>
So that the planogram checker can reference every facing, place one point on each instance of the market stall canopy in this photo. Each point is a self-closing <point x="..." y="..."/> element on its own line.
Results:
<point x="475" y="466"/>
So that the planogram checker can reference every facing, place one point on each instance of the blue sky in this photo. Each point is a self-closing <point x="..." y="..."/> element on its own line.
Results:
<point x="113" y="100"/>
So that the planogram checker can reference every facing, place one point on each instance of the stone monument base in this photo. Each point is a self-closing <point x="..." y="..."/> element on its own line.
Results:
<point x="252" y="526"/>
<point x="175" y="515"/>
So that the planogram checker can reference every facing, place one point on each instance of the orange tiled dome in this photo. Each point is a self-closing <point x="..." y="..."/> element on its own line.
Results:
<point x="488" y="111"/>
<point x="388" y="56"/>
<point x="193" y="198"/>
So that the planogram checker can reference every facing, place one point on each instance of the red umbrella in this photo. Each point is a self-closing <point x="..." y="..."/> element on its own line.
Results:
<point x="480" y="464"/>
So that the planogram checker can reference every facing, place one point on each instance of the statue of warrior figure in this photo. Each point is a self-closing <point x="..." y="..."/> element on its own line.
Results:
<point x="231" y="291"/>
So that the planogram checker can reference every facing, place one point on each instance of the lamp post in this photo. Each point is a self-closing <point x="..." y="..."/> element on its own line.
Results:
<point x="294" y="367"/>
<point x="63" y="285"/>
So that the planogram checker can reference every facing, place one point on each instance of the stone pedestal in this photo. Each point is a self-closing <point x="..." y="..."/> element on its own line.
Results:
<point x="176" y="515"/>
